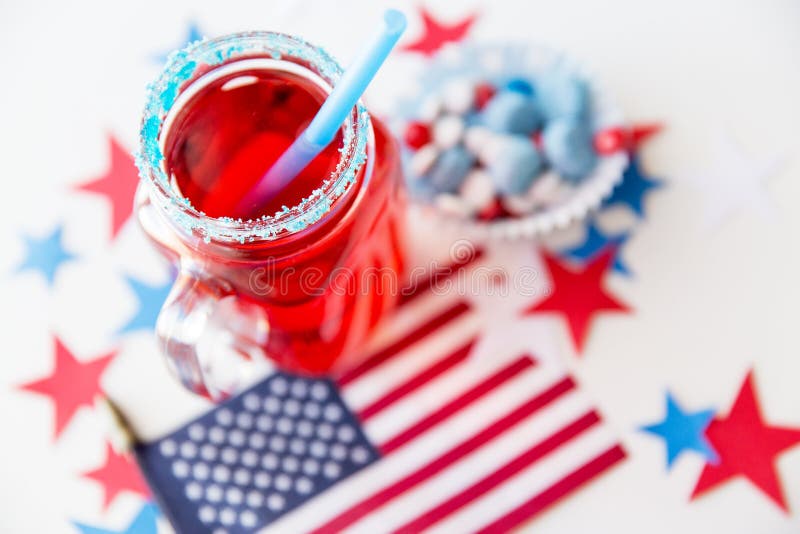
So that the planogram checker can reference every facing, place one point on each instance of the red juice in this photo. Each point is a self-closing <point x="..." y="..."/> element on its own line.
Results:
<point x="234" y="130"/>
<point x="324" y="287"/>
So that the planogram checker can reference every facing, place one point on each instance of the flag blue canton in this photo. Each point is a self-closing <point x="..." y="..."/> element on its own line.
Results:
<point x="256" y="457"/>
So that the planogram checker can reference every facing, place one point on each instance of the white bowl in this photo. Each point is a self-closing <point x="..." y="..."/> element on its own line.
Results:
<point x="492" y="62"/>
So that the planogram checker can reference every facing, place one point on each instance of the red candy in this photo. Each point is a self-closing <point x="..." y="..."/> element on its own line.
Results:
<point x="493" y="211"/>
<point x="483" y="93"/>
<point x="536" y="137"/>
<point x="417" y="135"/>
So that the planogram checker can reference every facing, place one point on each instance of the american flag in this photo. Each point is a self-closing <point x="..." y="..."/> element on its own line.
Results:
<point x="419" y="436"/>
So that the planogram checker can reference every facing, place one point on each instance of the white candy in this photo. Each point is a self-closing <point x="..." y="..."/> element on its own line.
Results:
<point x="476" y="137"/>
<point x="563" y="192"/>
<point x="459" y="96"/>
<point x="430" y="108"/>
<point x="423" y="159"/>
<point x="519" y="204"/>
<point x="543" y="192"/>
<point x="546" y="189"/>
<point x="491" y="149"/>
<point x="477" y="190"/>
<point x="453" y="205"/>
<point x="447" y="131"/>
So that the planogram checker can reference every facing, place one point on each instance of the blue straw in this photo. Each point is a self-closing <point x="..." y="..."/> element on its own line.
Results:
<point x="323" y="127"/>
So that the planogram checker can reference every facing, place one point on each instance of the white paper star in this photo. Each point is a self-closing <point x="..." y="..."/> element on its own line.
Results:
<point x="507" y="335"/>
<point x="735" y="181"/>
<point x="505" y="331"/>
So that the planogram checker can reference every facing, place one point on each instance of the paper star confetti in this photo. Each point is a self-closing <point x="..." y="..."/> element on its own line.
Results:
<point x="735" y="182"/>
<point x="504" y="330"/>
<point x="149" y="300"/>
<point x="45" y="255"/>
<point x="628" y="139"/>
<point x="578" y="294"/>
<point x="72" y="384"/>
<point x="747" y="446"/>
<point x="633" y="189"/>
<point x="118" y="185"/>
<point x="504" y="333"/>
<point x="116" y="475"/>
<point x="143" y="523"/>
<point x="435" y="34"/>
<point x="684" y="431"/>
<point x="594" y="243"/>
<point x="193" y="34"/>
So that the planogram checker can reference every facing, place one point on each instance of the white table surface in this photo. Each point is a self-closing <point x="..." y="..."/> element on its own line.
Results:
<point x="708" y="305"/>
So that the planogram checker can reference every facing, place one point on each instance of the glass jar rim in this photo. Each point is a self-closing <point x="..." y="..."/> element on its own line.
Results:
<point x="201" y="57"/>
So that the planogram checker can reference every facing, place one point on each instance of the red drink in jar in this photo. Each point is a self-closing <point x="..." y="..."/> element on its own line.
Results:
<point x="228" y="135"/>
<point x="305" y="281"/>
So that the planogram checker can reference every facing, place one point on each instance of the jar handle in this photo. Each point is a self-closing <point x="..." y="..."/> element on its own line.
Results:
<point x="211" y="339"/>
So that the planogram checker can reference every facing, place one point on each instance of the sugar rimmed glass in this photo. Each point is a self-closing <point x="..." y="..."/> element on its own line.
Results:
<point x="293" y="288"/>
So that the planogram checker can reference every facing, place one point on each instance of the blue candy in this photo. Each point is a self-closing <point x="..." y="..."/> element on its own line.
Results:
<point x="521" y="86"/>
<point x="568" y="147"/>
<point x="472" y="118"/>
<point x="512" y="112"/>
<point x="564" y="95"/>
<point x="420" y="188"/>
<point x="514" y="165"/>
<point x="450" y="169"/>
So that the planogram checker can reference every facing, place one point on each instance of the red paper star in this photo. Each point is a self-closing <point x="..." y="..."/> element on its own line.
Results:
<point x="578" y="294"/>
<point x="118" y="474"/>
<point x="747" y="446"/>
<point x="71" y="385"/>
<point x="118" y="184"/>
<point x="435" y="35"/>
<point x="643" y="132"/>
<point x="612" y="140"/>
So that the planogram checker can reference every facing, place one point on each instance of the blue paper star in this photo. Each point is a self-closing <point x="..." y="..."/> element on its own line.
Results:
<point x="632" y="190"/>
<point x="143" y="523"/>
<point x="150" y="300"/>
<point x="193" y="34"/>
<point x="594" y="243"/>
<point x="45" y="255"/>
<point x="684" y="431"/>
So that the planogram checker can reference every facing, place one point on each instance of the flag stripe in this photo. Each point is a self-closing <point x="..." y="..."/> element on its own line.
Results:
<point x="481" y="463"/>
<point x="359" y="510"/>
<point x="461" y="424"/>
<point x="409" y="363"/>
<point x="488" y="483"/>
<point x="397" y="347"/>
<point x="418" y="287"/>
<point x="530" y="481"/>
<point x="416" y="381"/>
<point x="561" y="488"/>
<point x="442" y="437"/>
<point x="458" y="403"/>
